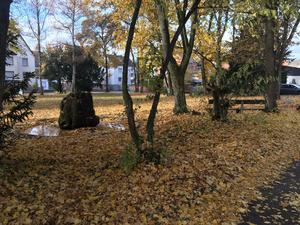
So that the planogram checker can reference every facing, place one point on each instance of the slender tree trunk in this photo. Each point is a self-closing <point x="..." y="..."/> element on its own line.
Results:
<point x="138" y="75"/>
<point x="171" y="90"/>
<point x="204" y="77"/>
<point x="269" y="63"/>
<point x="4" y="23"/>
<point x="60" y="87"/>
<point x="126" y="96"/>
<point x="279" y="72"/>
<point x="74" y="88"/>
<point x="136" y="88"/>
<point x="39" y="50"/>
<point x="106" y="71"/>
<point x="141" y="82"/>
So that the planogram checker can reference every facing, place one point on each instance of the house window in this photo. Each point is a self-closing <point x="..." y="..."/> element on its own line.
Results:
<point x="10" y="61"/>
<point x="120" y="79"/>
<point x="24" y="62"/>
<point x="120" y="69"/>
<point x="9" y="75"/>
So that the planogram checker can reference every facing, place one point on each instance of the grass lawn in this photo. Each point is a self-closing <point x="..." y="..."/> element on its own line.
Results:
<point x="211" y="172"/>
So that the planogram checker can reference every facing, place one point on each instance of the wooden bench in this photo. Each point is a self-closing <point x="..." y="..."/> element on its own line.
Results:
<point x="242" y="103"/>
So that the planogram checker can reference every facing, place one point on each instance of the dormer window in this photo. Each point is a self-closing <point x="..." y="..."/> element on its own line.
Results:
<point x="25" y="62"/>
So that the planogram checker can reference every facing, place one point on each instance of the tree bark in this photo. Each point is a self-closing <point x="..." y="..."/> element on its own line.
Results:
<point x="177" y="72"/>
<point x="179" y="93"/>
<point x="269" y="63"/>
<point x="126" y="96"/>
<point x="74" y="89"/>
<point x="204" y="76"/>
<point x="171" y="90"/>
<point x="39" y="50"/>
<point x="168" y="48"/>
<point x="106" y="71"/>
<point x="4" y="23"/>
<point x="136" y="87"/>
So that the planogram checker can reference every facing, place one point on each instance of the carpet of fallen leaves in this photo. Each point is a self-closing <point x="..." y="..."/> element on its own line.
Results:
<point x="212" y="170"/>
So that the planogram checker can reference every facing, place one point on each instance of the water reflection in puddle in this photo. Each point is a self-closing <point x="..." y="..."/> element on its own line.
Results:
<point x="50" y="131"/>
<point x="112" y="126"/>
<point x="43" y="131"/>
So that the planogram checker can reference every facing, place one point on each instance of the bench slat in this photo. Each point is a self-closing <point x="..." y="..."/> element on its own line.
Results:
<point x="245" y="101"/>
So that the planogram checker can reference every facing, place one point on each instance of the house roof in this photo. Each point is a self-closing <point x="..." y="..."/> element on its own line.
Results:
<point x="292" y="71"/>
<point x="295" y="63"/>
<point x="26" y="45"/>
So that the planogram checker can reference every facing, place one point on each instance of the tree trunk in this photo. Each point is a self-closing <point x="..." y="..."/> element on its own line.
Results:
<point x="269" y="63"/>
<point x="279" y="72"/>
<point x="179" y="93"/>
<point x="220" y="106"/>
<point x="204" y="77"/>
<point x="39" y="51"/>
<point x="106" y="72"/>
<point x="136" y="88"/>
<point x="126" y="96"/>
<point x="138" y="75"/>
<point x="171" y="90"/>
<point x="4" y="23"/>
<point x="141" y="83"/>
<point x="74" y="89"/>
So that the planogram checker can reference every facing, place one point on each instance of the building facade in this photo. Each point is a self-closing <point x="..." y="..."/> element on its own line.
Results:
<point x="23" y="62"/>
<point x="292" y="72"/>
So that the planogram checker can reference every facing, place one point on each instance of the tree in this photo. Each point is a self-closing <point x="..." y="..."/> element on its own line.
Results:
<point x="58" y="68"/>
<point x="287" y="23"/>
<point x="166" y="59"/>
<point x="177" y="70"/>
<point x="37" y="12"/>
<point x="269" y="57"/>
<point x="276" y="24"/>
<point x="4" y="23"/>
<point x="98" y="34"/>
<point x="69" y="13"/>
<point x="126" y="96"/>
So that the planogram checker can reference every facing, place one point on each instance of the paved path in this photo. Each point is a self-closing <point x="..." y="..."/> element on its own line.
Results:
<point x="281" y="203"/>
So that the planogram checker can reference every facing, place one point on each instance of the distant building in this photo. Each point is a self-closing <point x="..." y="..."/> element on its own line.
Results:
<point x="292" y="72"/>
<point x="23" y="62"/>
<point x="116" y="72"/>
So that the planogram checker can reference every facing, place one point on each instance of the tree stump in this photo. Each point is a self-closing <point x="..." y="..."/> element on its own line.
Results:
<point x="77" y="111"/>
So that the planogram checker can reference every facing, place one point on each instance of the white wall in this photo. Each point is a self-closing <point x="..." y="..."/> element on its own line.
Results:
<point x="17" y="66"/>
<point x="115" y="77"/>
<point x="291" y="78"/>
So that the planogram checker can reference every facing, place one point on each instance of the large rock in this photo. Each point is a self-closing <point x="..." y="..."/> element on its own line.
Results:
<point x="76" y="111"/>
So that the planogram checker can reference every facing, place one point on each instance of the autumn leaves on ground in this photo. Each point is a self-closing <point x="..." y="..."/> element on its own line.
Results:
<point x="210" y="172"/>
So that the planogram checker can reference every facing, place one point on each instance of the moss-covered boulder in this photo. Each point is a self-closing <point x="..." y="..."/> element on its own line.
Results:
<point x="76" y="111"/>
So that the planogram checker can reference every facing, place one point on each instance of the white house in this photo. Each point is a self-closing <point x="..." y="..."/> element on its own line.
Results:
<point x="116" y="72"/>
<point x="292" y="72"/>
<point x="23" y="62"/>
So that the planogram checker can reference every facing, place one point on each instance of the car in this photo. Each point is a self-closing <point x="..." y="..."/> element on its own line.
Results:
<point x="290" y="89"/>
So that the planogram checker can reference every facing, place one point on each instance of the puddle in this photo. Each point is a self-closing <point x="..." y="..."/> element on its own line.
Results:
<point x="112" y="126"/>
<point x="43" y="131"/>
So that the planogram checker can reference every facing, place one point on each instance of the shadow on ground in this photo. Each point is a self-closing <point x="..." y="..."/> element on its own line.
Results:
<point x="280" y="203"/>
